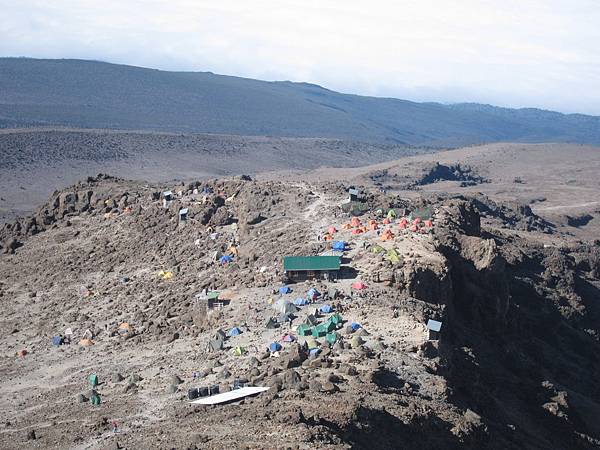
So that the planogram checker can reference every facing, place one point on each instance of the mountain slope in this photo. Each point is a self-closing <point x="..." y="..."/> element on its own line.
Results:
<point x="90" y="94"/>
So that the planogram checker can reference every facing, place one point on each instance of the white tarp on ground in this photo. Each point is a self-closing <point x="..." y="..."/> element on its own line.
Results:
<point x="235" y="394"/>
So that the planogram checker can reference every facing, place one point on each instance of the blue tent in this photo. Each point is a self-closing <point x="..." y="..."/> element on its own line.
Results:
<point x="355" y="326"/>
<point x="225" y="259"/>
<point x="314" y="351"/>
<point x="326" y="309"/>
<point x="300" y="302"/>
<point x="312" y="294"/>
<point x="284" y="290"/>
<point x="339" y="245"/>
<point x="275" y="347"/>
<point x="57" y="340"/>
<point x="235" y="331"/>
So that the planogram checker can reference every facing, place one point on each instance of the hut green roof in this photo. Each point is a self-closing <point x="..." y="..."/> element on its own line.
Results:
<point x="301" y="263"/>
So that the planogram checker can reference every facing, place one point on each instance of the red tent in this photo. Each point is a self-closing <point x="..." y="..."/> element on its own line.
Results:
<point x="359" y="285"/>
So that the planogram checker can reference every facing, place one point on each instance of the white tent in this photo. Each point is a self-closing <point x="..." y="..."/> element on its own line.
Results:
<point x="284" y="306"/>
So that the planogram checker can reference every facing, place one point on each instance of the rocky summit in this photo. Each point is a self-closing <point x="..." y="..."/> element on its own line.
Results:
<point x="449" y="320"/>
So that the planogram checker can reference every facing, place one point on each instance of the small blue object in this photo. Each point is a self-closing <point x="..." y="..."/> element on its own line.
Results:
<point x="225" y="259"/>
<point x="235" y="331"/>
<point x="340" y="245"/>
<point x="57" y="340"/>
<point x="355" y="326"/>
<point x="314" y="351"/>
<point x="284" y="290"/>
<point x="275" y="347"/>
<point x="326" y="309"/>
<point x="300" y="302"/>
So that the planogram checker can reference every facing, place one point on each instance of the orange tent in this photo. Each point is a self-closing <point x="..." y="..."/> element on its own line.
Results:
<point x="331" y="230"/>
<point x="413" y="228"/>
<point x="417" y="221"/>
<point x="373" y="225"/>
<point x="387" y="235"/>
<point x="357" y="231"/>
<point x="125" y="328"/>
<point x="428" y="223"/>
<point x="346" y="226"/>
<point x="355" y="222"/>
<point x="403" y="223"/>
<point x="386" y="221"/>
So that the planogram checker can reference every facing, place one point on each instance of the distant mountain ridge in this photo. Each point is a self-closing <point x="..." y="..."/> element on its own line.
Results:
<point x="93" y="94"/>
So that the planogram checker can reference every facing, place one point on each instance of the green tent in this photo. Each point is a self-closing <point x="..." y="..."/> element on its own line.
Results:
<point x="377" y="249"/>
<point x="332" y="337"/>
<point x="391" y="214"/>
<point x="95" y="399"/>
<point x="304" y="330"/>
<point x="320" y="330"/>
<point x="336" y="319"/>
<point x="93" y="380"/>
<point x="393" y="256"/>
<point x="239" y="351"/>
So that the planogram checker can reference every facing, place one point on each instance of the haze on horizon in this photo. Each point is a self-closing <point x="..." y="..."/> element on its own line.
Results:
<point x="538" y="53"/>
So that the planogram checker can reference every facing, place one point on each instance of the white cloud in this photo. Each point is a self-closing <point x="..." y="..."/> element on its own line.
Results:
<point x="543" y="53"/>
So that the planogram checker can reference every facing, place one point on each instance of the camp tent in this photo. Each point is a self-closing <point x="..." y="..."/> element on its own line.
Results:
<point x="355" y="326"/>
<point x="284" y="306"/>
<point x="285" y="290"/>
<point x="357" y="231"/>
<point x="93" y="380"/>
<point x="239" y="351"/>
<point x="331" y="230"/>
<point x="392" y="256"/>
<point x="57" y="340"/>
<point x="332" y="337"/>
<point x="326" y="309"/>
<point x="300" y="302"/>
<point x="288" y="338"/>
<point x="311" y="342"/>
<point x="377" y="249"/>
<point x="95" y="399"/>
<point x="235" y="331"/>
<point x="275" y="347"/>
<point x="311" y="320"/>
<point x="312" y="294"/>
<point x="356" y="342"/>
<point x="359" y="285"/>
<point x="336" y="319"/>
<point x="339" y="245"/>
<point x="403" y="223"/>
<point x="225" y="259"/>
<point x="387" y="235"/>
<point x="304" y="330"/>
<point x="270" y="324"/>
<point x="355" y="222"/>
<point x="391" y="214"/>
<point x="285" y="318"/>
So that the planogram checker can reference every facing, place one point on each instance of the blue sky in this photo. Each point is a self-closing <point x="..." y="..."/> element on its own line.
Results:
<point x="542" y="53"/>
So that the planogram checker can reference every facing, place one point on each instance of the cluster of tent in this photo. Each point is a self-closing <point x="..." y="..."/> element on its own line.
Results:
<point x="414" y="225"/>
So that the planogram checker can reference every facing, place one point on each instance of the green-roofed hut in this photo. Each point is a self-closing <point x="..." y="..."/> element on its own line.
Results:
<point x="300" y="268"/>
